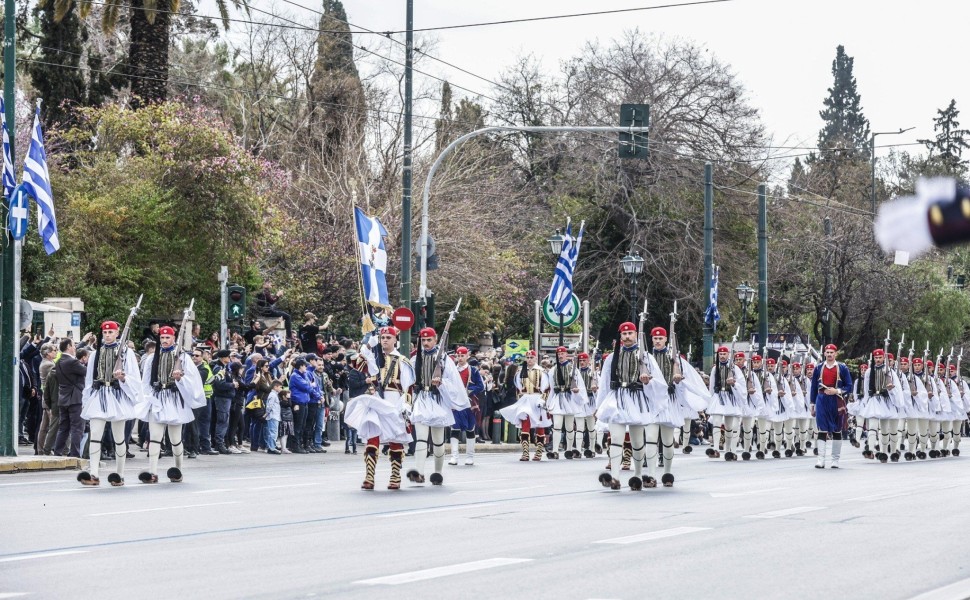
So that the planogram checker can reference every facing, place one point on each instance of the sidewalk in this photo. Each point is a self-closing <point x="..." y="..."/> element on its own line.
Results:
<point x="20" y="464"/>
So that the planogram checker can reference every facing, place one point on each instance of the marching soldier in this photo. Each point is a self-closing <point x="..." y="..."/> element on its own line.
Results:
<point x="378" y="416"/>
<point x="585" y="421"/>
<point x="529" y="411"/>
<point x="830" y="382"/>
<point x="564" y="391"/>
<point x="728" y="392"/>
<point x="465" y="419"/>
<point x="112" y="394"/>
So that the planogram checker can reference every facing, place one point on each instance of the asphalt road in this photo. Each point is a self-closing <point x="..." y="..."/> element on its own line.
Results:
<point x="260" y="526"/>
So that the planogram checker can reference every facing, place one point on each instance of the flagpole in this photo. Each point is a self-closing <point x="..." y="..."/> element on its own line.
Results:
<point x="9" y="265"/>
<point x="365" y="314"/>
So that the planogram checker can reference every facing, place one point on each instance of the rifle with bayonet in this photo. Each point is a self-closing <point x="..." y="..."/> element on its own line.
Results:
<point x="439" y="368"/>
<point x="125" y="333"/>
<point x="182" y="334"/>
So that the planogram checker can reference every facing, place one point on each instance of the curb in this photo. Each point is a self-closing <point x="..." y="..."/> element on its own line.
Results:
<point x="17" y="464"/>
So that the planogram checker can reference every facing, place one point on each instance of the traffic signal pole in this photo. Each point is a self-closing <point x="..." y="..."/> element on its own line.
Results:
<point x="9" y="273"/>
<point x="224" y="305"/>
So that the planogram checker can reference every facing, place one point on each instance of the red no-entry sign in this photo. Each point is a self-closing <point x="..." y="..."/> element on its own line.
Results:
<point x="403" y="318"/>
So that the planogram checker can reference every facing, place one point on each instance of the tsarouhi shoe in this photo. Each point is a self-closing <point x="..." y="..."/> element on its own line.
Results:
<point x="174" y="475"/>
<point x="116" y="480"/>
<point x="668" y="480"/>
<point x="437" y="479"/>
<point x="146" y="477"/>
<point x="88" y="479"/>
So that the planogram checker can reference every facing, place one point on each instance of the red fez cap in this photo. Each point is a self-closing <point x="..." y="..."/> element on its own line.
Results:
<point x="929" y="363"/>
<point x="531" y="353"/>
<point x="863" y="366"/>
<point x="832" y="347"/>
<point x="917" y="361"/>
<point x="796" y="365"/>
<point x="878" y="352"/>
<point x="953" y="367"/>
<point x="771" y="361"/>
<point x="427" y="332"/>
<point x="628" y="326"/>
<point x="658" y="331"/>
<point x="461" y="350"/>
<point x="890" y="356"/>
<point x="390" y="330"/>
<point x="784" y="363"/>
<point x="583" y="356"/>
<point x="903" y="359"/>
<point x="166" y="330"/>
<point x="739" y="355"/>
<point x="723" y="349"/>
<point x="756" y="357"/>
<point x="109" y="325"/>
<point x="562" y="349"/>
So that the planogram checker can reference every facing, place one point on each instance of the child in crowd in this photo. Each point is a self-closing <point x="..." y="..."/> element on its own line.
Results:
<point x="286" y="419"/>
<point x="273" y="417"/>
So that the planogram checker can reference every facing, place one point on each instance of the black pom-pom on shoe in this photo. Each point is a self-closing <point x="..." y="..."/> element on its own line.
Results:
<point x="437" y="479"/>
<point x="174" y="475"/>
<point x="635" y="483"/>
<point x="667" y="480"/>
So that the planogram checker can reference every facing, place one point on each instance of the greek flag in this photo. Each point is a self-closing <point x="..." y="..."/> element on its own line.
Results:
<point x="37" y="183"/>
<point x="373" y="257"/>
<point x="561" y="292"/>
<point x="9" y="179"/>
<point x="712" y="316"/>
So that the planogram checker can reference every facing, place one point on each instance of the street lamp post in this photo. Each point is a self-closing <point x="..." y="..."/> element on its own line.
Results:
<point x="633" y="266"/>
<point x="872" y="148"/>
<point x="555" y="244"/>
<point x="745" y="295"/>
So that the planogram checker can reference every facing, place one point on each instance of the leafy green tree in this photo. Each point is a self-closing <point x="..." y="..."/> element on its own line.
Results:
<point x="162" y="198"/>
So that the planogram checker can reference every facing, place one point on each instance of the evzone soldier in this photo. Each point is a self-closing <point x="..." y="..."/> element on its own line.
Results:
<point x="915" y="405"/>
<point x="174" y="388"/>
<point x="378" y="416"/>
<point x="793" y="396"/>
<point x="727" y="392"/>
<point x="854" y="408"/>
<point x="438" y="392"/>
<point x="958" y="409"/>
<point x="880" y="406"/>
<point x="752" y="407"/>
<point x="775" y="412"/>
<point x="564" y="391"/>
<point x="805" y="436"/>
<point x="630" y="390"/>
<point x="529" y="412"/>
<point x="831" y="382"/>
<point x="685" y="396"/>
<point x="112" y="394"/>
<point x="938" y="400"/>
<point x="474" y="386"/>
<point x="585" y="421"/>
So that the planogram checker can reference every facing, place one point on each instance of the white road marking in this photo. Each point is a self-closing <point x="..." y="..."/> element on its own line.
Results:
<point x="41" y="555"/>
<point x="405" y="513"/>
<point x="287" y="485"/>
<point x="785" y="512"/>
<point x="44" y="482"/>
<point x="425" y="574"/>
<point x="478" y="481"/>
<point x="955" y="591"/>
<point x="255" y="477"/>
<point x="531" y="487"/>
<point x="653" y="535"/>
<point x="89" y="488"/>
<point x="12" y="595"/>
<point x="748" y="493"/>
<point x="215" y="491"/>
<point x="875" y="497"/>
<point x="144" y="510"/>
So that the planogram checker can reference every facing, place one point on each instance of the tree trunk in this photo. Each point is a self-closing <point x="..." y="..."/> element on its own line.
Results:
<point x="148" y="53"/>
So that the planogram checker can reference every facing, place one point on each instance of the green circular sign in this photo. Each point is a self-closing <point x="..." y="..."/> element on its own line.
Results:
<point x="549" y="313"/>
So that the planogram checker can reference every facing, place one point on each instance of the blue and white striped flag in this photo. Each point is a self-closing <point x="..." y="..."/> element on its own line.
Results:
<point x="373" y="257"/>
<point x="712" y="316"/>
<point x="37" y="183"/>
<point x="9" y="179"/>
<point x="561" y="292"/>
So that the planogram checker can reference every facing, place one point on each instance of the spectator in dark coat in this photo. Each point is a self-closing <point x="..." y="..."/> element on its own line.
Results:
<point x="71" y="372"/>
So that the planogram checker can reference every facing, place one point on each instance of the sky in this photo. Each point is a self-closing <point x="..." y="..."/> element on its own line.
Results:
<point x="908" y="61"/>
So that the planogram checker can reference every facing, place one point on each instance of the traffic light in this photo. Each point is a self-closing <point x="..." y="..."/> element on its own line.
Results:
<point x="236" y="306"/>
<point x="634" y="145"/>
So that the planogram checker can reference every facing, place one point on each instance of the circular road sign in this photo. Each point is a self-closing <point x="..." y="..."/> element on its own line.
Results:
<point x="549" y="313"/>
<point x="403" y="318"/>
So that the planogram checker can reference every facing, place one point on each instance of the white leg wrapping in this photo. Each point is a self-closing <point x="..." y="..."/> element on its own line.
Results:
<point x="667" y="439"/>
<point x="617" y="434"/>
<point x="94" y="450"/>
<point x="637" y="441"/>
<point x="470" y="448"/>
<point x="955" y="429"/>
<point x="118" y="432"/>
<point x="747" y="432"/>
<point x="156" y="433"/>
<point x="836" y="452"/>
<point x="651" y="437"/>
<point x="454" y="451"/>
<point x="569" y="425"/>
<point x="178" y="449"/>
<point x="731" y="425"/>
<point x="438" y="439"/>
<point x="421" y="432"/>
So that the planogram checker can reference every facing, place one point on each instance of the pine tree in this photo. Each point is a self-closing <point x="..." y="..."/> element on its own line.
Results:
<point x="338" y="115"/>
<point x="57" y="71"/>
<point x="846" y="129"/>
<point x="946" y="150"/>
<point x="797" y="179"/>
